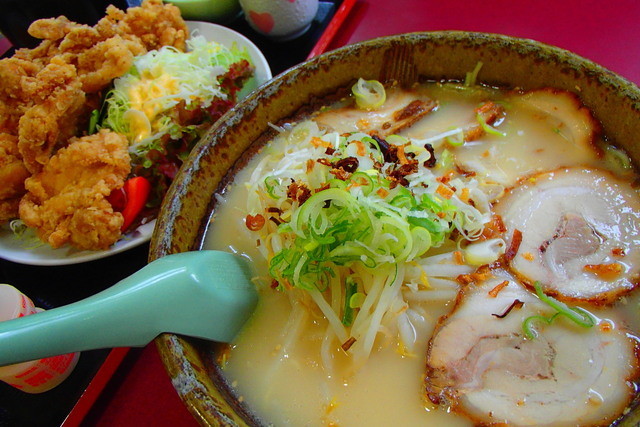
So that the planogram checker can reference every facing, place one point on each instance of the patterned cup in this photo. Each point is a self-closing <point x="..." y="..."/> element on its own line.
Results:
<point x="36" y="376"/>
<point x="280" y="19"/>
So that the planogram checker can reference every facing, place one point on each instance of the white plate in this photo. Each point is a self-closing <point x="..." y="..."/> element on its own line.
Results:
<point x="22" y="250"/>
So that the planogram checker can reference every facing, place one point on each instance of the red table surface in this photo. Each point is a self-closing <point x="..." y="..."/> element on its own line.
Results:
<point x="140" y="392"/>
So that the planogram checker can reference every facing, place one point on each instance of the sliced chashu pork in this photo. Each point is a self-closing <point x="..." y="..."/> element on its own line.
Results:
<point x="580" y="233"/>
<point x="563" y="112"/>
<point x="481" y="365"/>
<point x="401" y="109"/>
<point x="543" y="129"/>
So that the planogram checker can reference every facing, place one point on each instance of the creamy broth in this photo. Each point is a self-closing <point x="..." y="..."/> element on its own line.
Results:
<point x="275" y="366"/>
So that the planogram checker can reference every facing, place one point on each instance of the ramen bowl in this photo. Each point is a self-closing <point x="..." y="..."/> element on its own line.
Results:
<point x="507" y="62"/>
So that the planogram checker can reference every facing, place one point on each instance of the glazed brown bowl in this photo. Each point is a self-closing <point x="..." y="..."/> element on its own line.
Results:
<point x="507" y="62"/>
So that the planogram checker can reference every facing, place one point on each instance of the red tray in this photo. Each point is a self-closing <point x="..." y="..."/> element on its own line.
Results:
<point x="49" y="287"/>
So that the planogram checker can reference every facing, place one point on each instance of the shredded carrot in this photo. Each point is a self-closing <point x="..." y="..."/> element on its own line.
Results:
<point x="357" y="183"/>
<point x="444" y="191"/>
<point x="362" y="150"/>
<point x="310" y="164"/>
<point x="495" y="291"/>
<point x="528" y="256"/>
<point x="401" y="156"/>
<point x="362" y="124"/>
<point x="486" y="153"/>
<point x="382" y="192"/>
<point x="446" y="177"/>
<point x="319" y="142"/>
<point x="486" y="107"/>
<point x="458" y="258"/>
<point x="482" y="273"/>
<point x="464" y="195"/>
<point x="618" y="252"/>
<point x="316" y="142"/>
<point x="605" y="271"/>
<point x="605" y="326"/>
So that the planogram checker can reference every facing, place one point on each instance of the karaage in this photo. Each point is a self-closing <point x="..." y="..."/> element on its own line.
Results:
<point x="46" y="96"/>
<point x="67" y="201"/>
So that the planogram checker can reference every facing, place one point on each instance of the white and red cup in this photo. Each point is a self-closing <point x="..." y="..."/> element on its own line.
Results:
<point x="280" y="19"/>
<point x="36" y="376"/>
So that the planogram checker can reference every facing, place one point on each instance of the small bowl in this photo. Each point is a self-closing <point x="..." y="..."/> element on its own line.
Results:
<point x="220" y="11"/>
<point x="508" y="62"/>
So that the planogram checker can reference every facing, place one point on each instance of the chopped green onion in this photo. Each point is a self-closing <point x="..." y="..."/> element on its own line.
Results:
<point x="270" y="183"/>
<point x="446" y="159"/>
<point x="559" y="132"/>
<point x="488" y="128"/>
<point x="350" y="291"/>
<point x="370" y="94"/>
<point x="335" y="227"/>
<point x="357" y="300"/>
<point x="93" y="121"/>
<point x="455" y="140"/>
<point x="617" y="158"/>
<point x="527" y="325"/>
<point x="363" y="180"/>
<point x="25" y="234"/>
<point x="470" y="78"/>
<point x="578" y="315"/>
<point x="18" y="227"/>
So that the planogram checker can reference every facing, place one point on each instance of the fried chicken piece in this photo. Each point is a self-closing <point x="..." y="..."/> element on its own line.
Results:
<point x="105" y="61"/>
<point x="67" y="201"/>
<point x="12" y="176"/>
<point x="53" y="119"/>
<point x="154" y="23"/>
<point x="40" y="55"/>
<point x="13" y="99"/>
<point x="52" y="29"/>
<point x="9" y="209"/>
<point x="151" y="25"/>
<point x="47" y="93"/>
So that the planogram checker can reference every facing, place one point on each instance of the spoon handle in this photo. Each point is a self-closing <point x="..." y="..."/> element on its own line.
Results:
<point x="206" y="294"/>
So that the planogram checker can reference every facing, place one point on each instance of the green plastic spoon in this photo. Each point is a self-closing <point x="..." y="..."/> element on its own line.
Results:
<point x="204" y="294"/>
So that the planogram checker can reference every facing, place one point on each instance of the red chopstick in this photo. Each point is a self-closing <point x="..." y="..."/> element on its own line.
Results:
<point x="332" y="28"/>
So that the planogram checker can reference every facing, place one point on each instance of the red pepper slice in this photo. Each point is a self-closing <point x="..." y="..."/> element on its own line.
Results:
<point x="137" y="191"/>
<point x="118" y="199"/>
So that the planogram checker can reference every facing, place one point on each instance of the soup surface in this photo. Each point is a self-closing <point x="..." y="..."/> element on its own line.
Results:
<point x="454" y="255"/>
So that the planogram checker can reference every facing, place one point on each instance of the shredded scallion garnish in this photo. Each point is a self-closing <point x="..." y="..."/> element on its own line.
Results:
<point x="577" y="315"/>
<point x="369" y="94"/>
<point x="342" y="214"/>
<point x="472" y="76"/>
<point x="487" y="127"/>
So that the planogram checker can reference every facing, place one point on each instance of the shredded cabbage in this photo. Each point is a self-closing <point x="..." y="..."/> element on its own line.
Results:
<point x="141" y="101"/>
